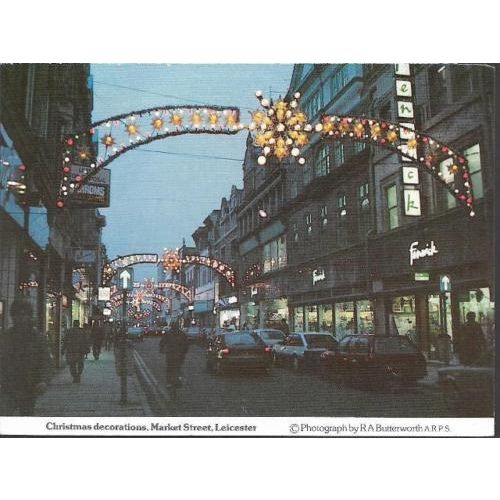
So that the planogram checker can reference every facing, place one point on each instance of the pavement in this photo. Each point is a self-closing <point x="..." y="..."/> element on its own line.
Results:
<point x="97" y="395"/>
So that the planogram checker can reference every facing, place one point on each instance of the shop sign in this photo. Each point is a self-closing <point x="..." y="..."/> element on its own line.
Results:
<point x="412" y="202"/>
<point x="104" y="293"/>
<point x="106" y="312"/>
<point x="416" y="253"/>
<point x="318" y="275"/>
<point x="422" y="276"/>
<point x="96" y="191"/>
<point x="444" y="283"/>
<point x="410" y="175"/>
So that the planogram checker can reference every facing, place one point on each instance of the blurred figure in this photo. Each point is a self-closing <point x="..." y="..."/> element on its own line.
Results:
<point x="24" y="362"/>
<point x="97" y="335"/>
<point x="284" y="327"/>
<point x="472" y="344"/>
<point x="86" y="330"/>
<point x="174" y="345"/>
<point x="108" y="336"/>
<point x="75" y="345"/>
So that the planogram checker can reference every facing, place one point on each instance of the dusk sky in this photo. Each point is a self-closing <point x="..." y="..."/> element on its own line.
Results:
<point x="158" y="199"/>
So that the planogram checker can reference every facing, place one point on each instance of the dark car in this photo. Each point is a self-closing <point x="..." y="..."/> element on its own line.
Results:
<point x="135" y="333"/>
<point x="369" y="358"/>
<point x="238" y="349"/>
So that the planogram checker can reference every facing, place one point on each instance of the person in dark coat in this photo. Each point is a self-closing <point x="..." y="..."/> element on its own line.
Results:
<point x="97" y="334"/>
<point x="471" y="342"/>
<point x="24" y="362"/>
<point x="284" y="327"/>
<point x="75" y="345"/>
<point x="174" y="345"/>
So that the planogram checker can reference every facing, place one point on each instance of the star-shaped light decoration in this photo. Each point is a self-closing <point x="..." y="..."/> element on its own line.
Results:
<point x="213" y="119"/>
<point x="196" y="119"/>
<point x="280" y="129"/>
<point x="108" y="140"/>
<point x="157" y="123"/>
<point x="131" y="128"/>
<point x="171" y="260"/>
<point x="176" y="119"/>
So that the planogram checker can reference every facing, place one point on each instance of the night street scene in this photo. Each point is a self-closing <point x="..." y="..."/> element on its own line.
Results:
<point x="275" y="240"/>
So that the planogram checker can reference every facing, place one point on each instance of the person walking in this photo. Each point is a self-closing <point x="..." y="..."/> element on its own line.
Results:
<point x="108" y="336"/>
<point x="24" y="362"/>
<point x="174" y="345"/>
<point x="86" y="330"/>
<point x="284" y="327"/>
<point x="75" y="345"/>
<point x="97" y="335"/>
<point x="472" y="344"/>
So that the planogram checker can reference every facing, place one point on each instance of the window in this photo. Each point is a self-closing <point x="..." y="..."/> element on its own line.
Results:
<point x="295" y="232"/>
<point x="313" y="105"/>
<point x="463" y="81"/>
<point x="364" y="198"/>
<point x="473" y="156"/>
<point x="298" y="319"/>
<point x="359" y="146"/>
<point x="438" y="87"/>
<point x="323" y="215"/>
<point x="342" y="205"/>
<point x="392" y="206"/>
<point x="308" y="219"/>
<point x="322" y="161"/>
<point x="307" y="173"/>
<point x="339" y="81"/>
<point x="275" y="256"/>
<point x="338" y="154"/>
<point x="445" y="199"/>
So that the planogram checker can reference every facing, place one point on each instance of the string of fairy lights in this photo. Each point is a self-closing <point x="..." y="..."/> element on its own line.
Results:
<point x="280" y="130"/>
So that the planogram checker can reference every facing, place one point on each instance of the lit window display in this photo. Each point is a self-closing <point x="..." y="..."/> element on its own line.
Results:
<point x="298" y="319"/>
<point x="325" y="313"/>
<point x="364" y="311"/>
<point x="312" y="318"/>
<point x="344" y="319"/>
<point x="403" y="321"/>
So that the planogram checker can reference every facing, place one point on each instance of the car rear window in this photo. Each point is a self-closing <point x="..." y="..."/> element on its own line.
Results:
<point x="272" y="335"/>
<point x="319" y="341"/>
<point x="241" y="339"/>
<point x="394" y="344"/>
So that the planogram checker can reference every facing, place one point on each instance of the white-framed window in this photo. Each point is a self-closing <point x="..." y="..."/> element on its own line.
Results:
<point x="473" y="156"/>
<point x="322" y="161"/>
<point x="323" y="214"/>
<point x="308" y="220"/>
<point x="391" y="195"/>
<point x="338" y="154"/>
<point x="295" y="232"/>
<point x="445" y="199"/>
<point x="364" y="196"/>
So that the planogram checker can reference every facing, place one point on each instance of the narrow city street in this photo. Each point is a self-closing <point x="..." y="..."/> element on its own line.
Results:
<point x="282" y="393"/>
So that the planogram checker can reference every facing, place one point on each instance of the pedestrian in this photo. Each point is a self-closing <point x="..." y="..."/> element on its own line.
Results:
<point x="24" y="362"/>
<point x="284" y="327"/>
<point x="471" y="341"/>
<point x="174" y="345"/>
<point x="86" y="330"/>
<point x="75" y="345"/>
<point x="444" y="347"/>
<point x="108" y="336"/>
<point x="97" y="335"/>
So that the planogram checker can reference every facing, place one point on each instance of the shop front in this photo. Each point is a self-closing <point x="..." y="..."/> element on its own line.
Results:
<point x="341" y="318"/>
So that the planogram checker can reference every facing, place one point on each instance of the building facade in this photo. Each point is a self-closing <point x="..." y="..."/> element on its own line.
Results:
<point x="328" y="246"/>
<point x="51" y="256"/>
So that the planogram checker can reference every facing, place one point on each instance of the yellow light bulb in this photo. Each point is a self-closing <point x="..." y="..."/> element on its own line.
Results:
<point x="157" y="123"/>
<point x="176" y="119"/>
<point x="213" y="118"/>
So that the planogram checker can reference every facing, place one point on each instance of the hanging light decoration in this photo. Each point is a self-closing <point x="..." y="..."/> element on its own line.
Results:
<point x="279" y="129"/>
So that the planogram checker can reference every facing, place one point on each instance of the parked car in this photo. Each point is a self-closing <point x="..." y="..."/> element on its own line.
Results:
<point x="371" y="357"/>
<point x="469" y="390"/>
<point x="270" y="336"/>
<point x="238" y="349"/>
<point x="303" y="349"/>
<point x="135" y="333"/>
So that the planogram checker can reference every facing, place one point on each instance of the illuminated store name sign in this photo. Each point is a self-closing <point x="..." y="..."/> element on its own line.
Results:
<point x="416" y="253"/>
<point x="318" y="275"/>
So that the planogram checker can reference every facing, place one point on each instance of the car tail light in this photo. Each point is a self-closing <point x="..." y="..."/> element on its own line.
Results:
<point x="267" y="349"/>
<point x="225" y="351"/>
